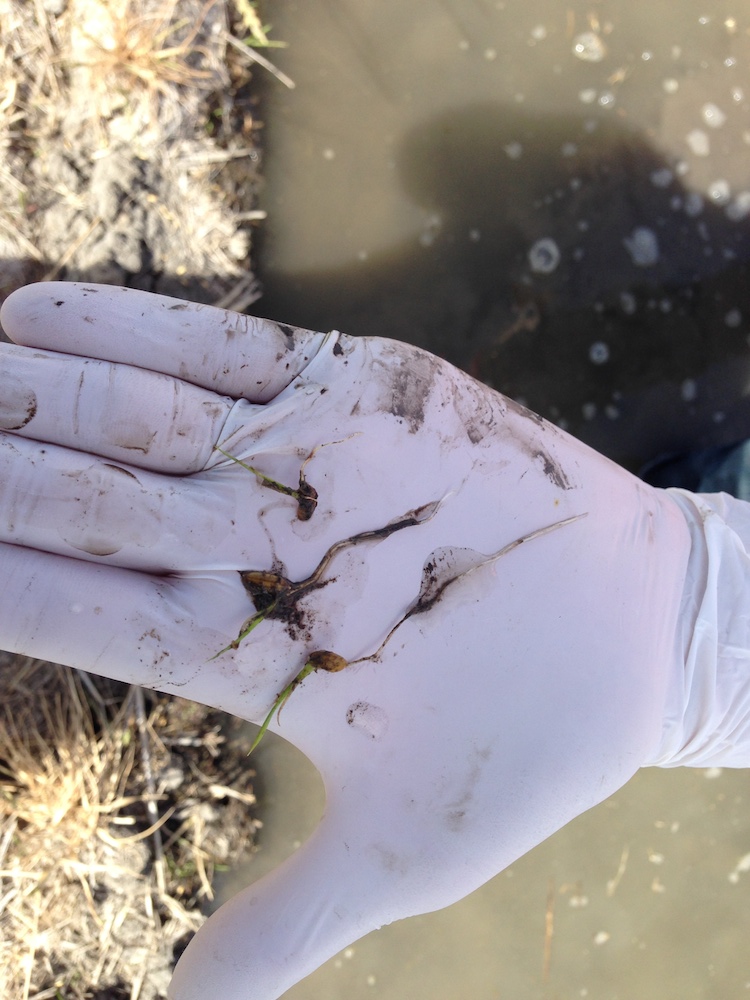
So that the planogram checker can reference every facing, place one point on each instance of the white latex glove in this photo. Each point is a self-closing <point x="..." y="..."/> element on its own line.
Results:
<point x="512" y="699"/>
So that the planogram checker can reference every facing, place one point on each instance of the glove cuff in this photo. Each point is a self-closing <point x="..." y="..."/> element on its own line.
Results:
<point x="707" y="712"/>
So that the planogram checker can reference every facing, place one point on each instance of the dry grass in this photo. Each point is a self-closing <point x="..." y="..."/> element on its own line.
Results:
<point x="144" y="67"/>
<point x="126" y="48"/>
<point x="162" y="84"/>
<point x="107" y="845"/>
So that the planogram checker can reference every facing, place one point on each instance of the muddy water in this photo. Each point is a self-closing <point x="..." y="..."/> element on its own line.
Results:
<point x="556" y="197"/>
<point x="553" y="196"/>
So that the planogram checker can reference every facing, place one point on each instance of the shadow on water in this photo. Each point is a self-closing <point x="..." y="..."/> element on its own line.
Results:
<point x="563" y="262"/>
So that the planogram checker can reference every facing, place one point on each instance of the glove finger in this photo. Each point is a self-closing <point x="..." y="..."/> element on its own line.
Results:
<point x="70" y="503"/>
<point x="227" y="352"/>
<point x="116" y="411"/>
<point x="160" y="632"/>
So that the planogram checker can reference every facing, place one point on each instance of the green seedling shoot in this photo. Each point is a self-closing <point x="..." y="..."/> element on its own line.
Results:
<point x="305" y="494"/>
<point x="443" y="568"/>
<point x="276" y="597"/>
<point x="446" y="566"/>
<point x="321" y="659"/>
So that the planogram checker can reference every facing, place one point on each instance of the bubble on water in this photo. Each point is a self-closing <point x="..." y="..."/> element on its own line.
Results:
<point x="662" y="178"/>
<point x="643" y="246"/>
<point x="578" y="254"/>
<point x="670" y="85"/>
<point x="583" y="225"/>
<point x="539" y="32"/>
<point x="628" y="303"/>
<point x="590" y="125"/>
<point x="689" y="390"/>
<point x="362" y="255"/>
<point x="666" y="305"/>
<point x="738" y="94"/>
<point x="463" y="45"/>
<point x="611" y="411"/>
<point x="693" y="204"/>
<point x="681" y="168"/>
<point x="490" y="55"/>
<point x="599" y="353"/>
<point x="606" y="99"/>
<point x="733" y="318"/>
<point x="719" y="417"/>
<point x="475" y="235"/>
<point x="675" y="203"/>
<point x="589" y="411"/>
<point x="575" y="183"/>
<point x="589" y="47"/>
<point x="513" y="150"/>
<point x="433" y="225"/>
<point x="587" y="96"/>
<point x="329" y="154"/>
<point x="569" y="149"/>
<point x="743" y="865"/>
<point x="719" y="191"/>
<point x="730" y="61"/>
<point x="739" y="207"/>
<point x="544" y="256"/>
<point x="698" y="142"/>
<point x="704" y="19"/>
<point x="647" y="56"/>
<point x="712" y="115"/>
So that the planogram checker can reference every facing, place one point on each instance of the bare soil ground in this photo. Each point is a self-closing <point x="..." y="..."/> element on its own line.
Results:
<point x="129" y="154"/>
<point x="128" y="144"/>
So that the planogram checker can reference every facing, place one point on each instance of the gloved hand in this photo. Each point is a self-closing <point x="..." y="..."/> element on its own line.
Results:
<point x="490" y="691"/>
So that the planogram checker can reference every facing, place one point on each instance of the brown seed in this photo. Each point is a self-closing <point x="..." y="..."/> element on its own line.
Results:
<point x="307" y="500"/>
<point x="324" y="659"/>
<point x="264" y="588"/>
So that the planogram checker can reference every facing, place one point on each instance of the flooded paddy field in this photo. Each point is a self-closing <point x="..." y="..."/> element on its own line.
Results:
<point x="556" y="197"/>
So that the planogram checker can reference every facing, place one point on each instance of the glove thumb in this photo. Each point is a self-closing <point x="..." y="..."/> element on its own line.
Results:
<point x="283" y="927"/>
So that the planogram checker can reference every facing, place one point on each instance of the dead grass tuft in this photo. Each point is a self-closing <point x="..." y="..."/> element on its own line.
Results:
<point x="161" y="86"/>
<point x="129" y="48"/>
<point x="107" y="843"/>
